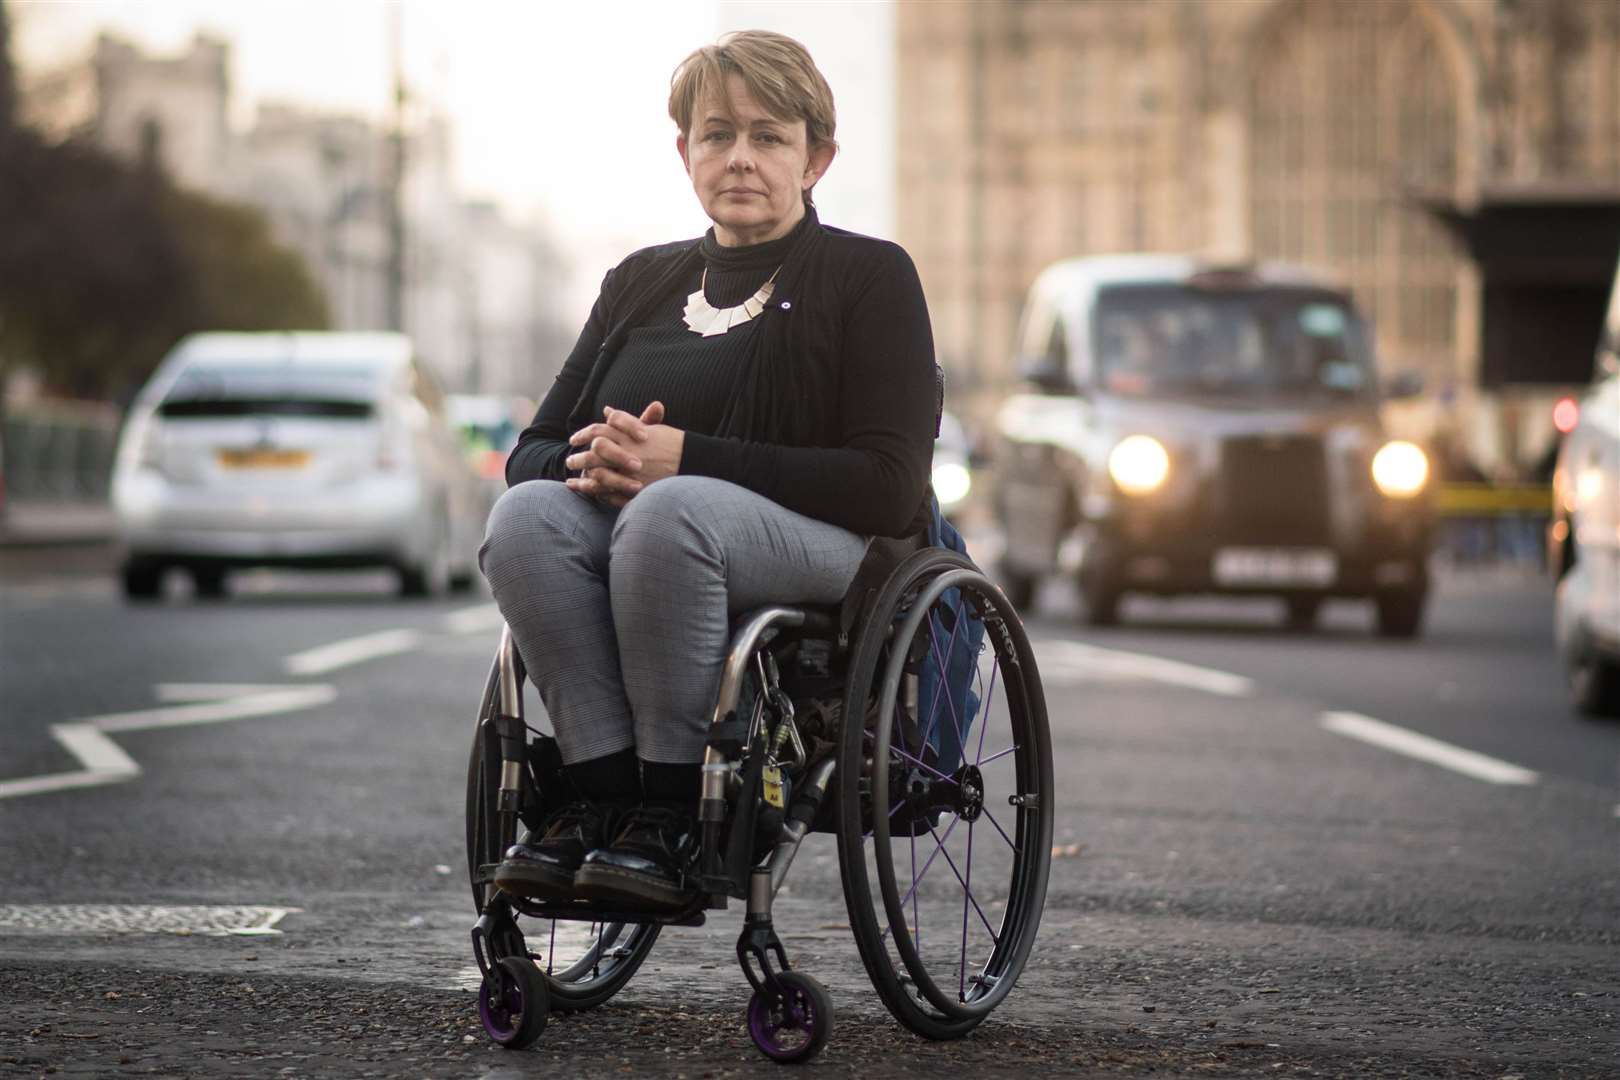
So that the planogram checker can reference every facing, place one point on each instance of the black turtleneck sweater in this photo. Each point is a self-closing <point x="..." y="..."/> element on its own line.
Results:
<point x="866" y="339"/>
<point x="663" y="360"/>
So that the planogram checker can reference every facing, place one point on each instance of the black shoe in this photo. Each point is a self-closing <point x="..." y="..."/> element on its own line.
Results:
<point x="543" y="867"/>
<point x="648" y="864"/>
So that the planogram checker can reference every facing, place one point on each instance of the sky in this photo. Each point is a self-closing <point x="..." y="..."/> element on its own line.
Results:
<point x="559" y="109"/>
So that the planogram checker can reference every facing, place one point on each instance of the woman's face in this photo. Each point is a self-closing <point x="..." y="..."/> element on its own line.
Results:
<point x="749" y="168"/>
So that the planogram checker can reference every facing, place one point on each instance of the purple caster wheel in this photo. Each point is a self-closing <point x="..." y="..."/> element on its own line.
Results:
<point x="513" y="1002"/>
<point x="795" y="1028"/>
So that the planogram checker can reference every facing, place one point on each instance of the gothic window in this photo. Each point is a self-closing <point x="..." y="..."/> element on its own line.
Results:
<point x="1353" y="121"/>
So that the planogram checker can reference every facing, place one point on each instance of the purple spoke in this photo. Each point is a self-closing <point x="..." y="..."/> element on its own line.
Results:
<point x="551" y="953"/>
<point x="967" y="894"/>
<point x="999" y="829"/>
<point x="897" y="806"/>
<point x="917" y="880"/>
<point x="984" y="723"/>
<point x="952" y="863"/>
<point x="933" y="643"/>
<point x="994" y="757"/>
<point x="920" y="764"/>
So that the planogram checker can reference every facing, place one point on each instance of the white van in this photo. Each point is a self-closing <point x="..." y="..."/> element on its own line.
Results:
<point x="297" y="450"/>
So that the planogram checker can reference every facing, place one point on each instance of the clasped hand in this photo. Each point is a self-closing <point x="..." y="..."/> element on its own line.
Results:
<point x="624" y="454"/>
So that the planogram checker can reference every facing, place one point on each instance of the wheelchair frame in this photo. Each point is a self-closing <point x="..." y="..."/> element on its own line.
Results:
<point x="516" y="995"/>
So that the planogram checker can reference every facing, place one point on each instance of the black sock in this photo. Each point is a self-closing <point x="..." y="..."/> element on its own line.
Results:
<point x="612" y="779"/>
<point x="672" y="786"/>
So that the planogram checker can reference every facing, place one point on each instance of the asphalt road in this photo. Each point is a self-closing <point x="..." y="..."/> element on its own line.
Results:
<point x="1244" y="883"/>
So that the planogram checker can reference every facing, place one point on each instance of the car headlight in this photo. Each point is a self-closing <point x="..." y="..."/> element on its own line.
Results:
<point x="951" y="483"/>
<point x="1400" y="469"/>
<point x="1139" y="464"/>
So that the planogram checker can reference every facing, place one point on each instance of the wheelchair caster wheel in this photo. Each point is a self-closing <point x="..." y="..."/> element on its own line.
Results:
<point x="513" y="1002"/>
<point x="796" y="1027"/>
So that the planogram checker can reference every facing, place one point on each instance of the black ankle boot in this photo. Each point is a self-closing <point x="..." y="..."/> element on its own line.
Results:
<point x="542" y="867"/>
<point x="648" y="865"/>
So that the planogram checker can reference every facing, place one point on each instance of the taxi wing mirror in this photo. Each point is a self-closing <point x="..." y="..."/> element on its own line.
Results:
<point x="1047" y="374"/>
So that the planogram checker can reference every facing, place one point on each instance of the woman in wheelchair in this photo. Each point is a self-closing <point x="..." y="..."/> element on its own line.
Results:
<point x="721" y="566"/>
<point x="740" y="415"/>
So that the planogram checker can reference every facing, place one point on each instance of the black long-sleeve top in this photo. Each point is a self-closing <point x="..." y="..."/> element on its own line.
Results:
<point x="870" y="389"/>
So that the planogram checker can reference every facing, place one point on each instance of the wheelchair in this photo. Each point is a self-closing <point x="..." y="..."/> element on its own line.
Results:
<point x="909" y="720"/>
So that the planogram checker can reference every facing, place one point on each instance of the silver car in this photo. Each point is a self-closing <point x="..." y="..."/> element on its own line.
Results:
<point x="1584" y="539"/>
<point x="293" y="450"/>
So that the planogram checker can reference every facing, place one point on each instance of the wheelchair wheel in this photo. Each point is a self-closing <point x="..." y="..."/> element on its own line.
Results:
<point x="584" y="963"/>
<point x="945" y="806"/>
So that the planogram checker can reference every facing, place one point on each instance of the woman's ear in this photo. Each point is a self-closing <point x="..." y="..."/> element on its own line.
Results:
<point x="680" y="148"/>
<point x="821" y="157"/>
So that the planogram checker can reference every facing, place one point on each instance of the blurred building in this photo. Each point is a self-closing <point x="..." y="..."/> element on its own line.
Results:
<point x="1457" y="162"/>
<point x="323" y="181"/>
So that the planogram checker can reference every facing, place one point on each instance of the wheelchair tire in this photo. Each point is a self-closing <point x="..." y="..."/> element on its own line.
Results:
<point x="913" y="932"/>
<point x="598" y="959"/>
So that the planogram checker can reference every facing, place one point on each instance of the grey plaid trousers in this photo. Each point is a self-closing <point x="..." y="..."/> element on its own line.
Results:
<point x="622" y="617"/>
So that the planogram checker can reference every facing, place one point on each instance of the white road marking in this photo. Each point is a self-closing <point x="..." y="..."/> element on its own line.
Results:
<point x="351" y="651"/>
<point x="171" y="691"/>
<point x="474" y="620"/>
<point x="103" y="761"/>
<point x="1074" y="661"/>
<point x="1423" y="748"/>
<point x="141" y="919"/>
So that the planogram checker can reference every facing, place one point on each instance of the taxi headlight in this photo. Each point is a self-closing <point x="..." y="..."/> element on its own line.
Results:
<point x="1400" y="469"/>
<point x="1139" y="464"/>
<point x="951" y="483"/>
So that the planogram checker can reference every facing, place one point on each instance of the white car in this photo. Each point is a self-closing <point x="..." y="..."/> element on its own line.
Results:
<point x="293" y="450"/>
<point x="1584" y="536"/>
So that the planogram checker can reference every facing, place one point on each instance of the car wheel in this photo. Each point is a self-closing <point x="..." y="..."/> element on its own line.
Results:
<point x="208" y="582"/>
<point x="1303" y="611"/>
<point x="1594" y="684"/>
<point x="142" y="579"/>
<point x="1101" y="603"/>
<point x="430" y="577"/>
<point x="1400" y="614"/>
<point x="1019" y="587"/>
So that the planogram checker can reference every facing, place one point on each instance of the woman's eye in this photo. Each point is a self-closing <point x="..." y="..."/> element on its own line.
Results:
<point x="716" y="136"/>
<point x="769" y="137"/>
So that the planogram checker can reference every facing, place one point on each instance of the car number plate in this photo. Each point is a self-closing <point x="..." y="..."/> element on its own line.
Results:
<point x="263" y="459"/>
<point x="1275" y="566"/>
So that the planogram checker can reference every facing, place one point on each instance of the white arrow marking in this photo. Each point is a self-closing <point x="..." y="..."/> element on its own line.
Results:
<point x="103" y="761"/>
<point x="351" y="651"/>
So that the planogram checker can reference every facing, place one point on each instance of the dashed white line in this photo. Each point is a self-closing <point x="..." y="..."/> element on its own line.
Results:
<point x="1077" y="661"/>
<point x="340" y="654"/>
<point x="1423" y="748"/>
<point x="474" y="620"/>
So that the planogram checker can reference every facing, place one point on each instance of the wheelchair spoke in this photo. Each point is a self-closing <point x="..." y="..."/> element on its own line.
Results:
<point x="950" y="704"/>
<point x="967" y="894"/>
<point x="551" y="950"/>
<point x="916" y="879"/>
<point x="989" y="697"/>
<point x="1000" y="830"/>
<point x="921" y="764"/>
<point x="995" y="757"/>
<point x="952" y="863"/>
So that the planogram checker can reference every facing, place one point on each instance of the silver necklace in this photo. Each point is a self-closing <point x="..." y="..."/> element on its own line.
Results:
<point x="704" y="318"/>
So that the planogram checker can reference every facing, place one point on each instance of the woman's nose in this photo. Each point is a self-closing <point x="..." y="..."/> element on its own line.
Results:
<point x="740" y="161"/>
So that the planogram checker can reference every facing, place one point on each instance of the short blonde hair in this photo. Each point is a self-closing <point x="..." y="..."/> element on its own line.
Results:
<point x="776" y="69"/>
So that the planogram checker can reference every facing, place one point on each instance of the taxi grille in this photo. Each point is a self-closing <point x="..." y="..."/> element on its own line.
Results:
<point x="1274" y="490"/>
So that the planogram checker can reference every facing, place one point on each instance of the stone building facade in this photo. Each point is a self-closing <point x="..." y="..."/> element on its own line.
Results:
<point x="1456" y="162"/>
<point x="481" y="293"/>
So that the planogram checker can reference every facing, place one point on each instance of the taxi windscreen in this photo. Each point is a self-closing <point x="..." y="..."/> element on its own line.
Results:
<point x="1153" y="339"/>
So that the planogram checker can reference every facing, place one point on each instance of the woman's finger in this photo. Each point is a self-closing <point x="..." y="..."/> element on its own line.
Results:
<point x="626" y="423"/>
<point x="613" y="455"/>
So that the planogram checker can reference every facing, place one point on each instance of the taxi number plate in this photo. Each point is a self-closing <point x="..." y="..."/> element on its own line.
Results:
<point x="1275" y="566"/>
<point x="263" y="459"/>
